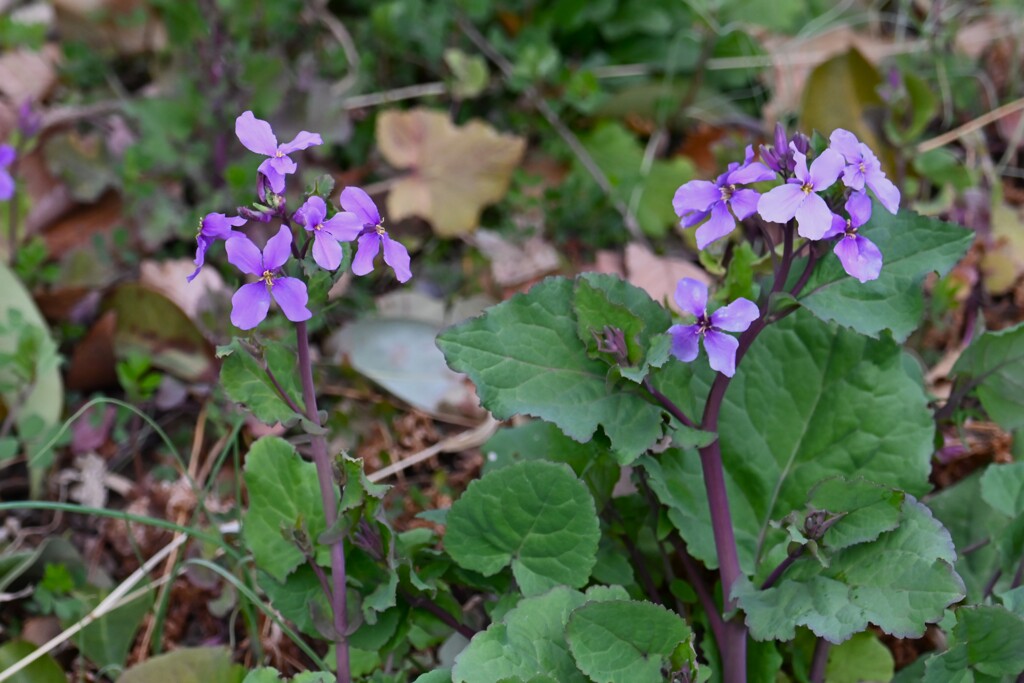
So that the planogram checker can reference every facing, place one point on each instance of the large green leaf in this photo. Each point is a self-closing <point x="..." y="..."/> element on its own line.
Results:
<point x="525" y="357"/>
<point x="900" y="595"/>
<point x="623" y="641"/>
<point x="536" y="516"/>
<point x="187" y="665"/>
<point x="284" y="497"/>
<point x="43" y="670"/>
<point x="994" y="365"/>
<point x="912" y="247"/>
<point x="986" y="646"/>
<point x="810" y="401"/>
<point x="529" y="642"/>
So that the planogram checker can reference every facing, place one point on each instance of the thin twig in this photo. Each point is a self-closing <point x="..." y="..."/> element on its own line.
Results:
<point x="459" y="442"/>
<point x="410" y="92"/>
<point x="971" y="126"/>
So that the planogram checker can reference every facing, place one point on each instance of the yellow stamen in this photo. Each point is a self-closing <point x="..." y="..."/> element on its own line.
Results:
<point x="268" y="278"/>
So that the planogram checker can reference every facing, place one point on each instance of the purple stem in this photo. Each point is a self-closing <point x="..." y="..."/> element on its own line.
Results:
<point x="692" y="571"/>
<point x="329" y="495"/>
<point x="783" y="566"/>
<point x="819" y="661"/>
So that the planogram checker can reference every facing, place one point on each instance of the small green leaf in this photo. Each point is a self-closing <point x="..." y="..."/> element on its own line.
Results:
<point x="247" y="383"/>
<point x="1002" y="487"/>
<point x="187" y="665"/>
<point x="867" y="510"/>
<point x="862" y="658"/>
<point x="536" y="516"/>
<point x="623" y="641"/>
<point x="900" y="597"/>
<point x="526" y="358"/>
<point x="438" y="676"/>
<point x="912" y="246"/>
<point x="43" y="670"/>
<point x="986" y="642"/>
<point x="297" y="597"/>
<point x="284" y="494"/>
<point x="994" y="365"/>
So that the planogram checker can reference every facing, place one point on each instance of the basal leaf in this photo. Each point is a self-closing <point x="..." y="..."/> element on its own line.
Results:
<point x="810" y="401"/>
<point x="536" y="516"/>
<point x="913" y="246"/>
<point x="284" y="497"/>
<point x="623" y="641"/>
<point x="901" y="595"/>
<point x="994" y="365"/>
<point x="525" y="357"/>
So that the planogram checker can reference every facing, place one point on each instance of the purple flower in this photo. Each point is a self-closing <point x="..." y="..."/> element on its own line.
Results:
<point x="859" y="255"/>
<point x="7" y="156"/>
<point x="251" y="302"/>
<point x="702" y="199"/>
<point x="29" y="119"/>
<point x="780" y="157"/>
<point x="798" y="198"/>
<point x="373" y="236"/>
<point x="343" y="227"/>
<point x="692" y="297"/>
<point x="213" y="227"/>
<point x="863" y="168"/>
<point x="257" y="136"/>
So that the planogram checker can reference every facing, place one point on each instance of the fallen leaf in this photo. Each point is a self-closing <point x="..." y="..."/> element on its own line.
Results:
<point x="170" y="279"/>
<point x="513" y="264"/>
<point x="1002" y="262"/>
<point x="658" y="275"/>
<point x="454" y="172"/>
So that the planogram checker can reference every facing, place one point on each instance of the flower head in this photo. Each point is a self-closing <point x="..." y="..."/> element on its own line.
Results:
<point x="780" y="156"/>
<point x="798" y="197"/>
<point x="698" y="200"/>
<point x="859" y="255"/>
<point x="7" y="156"/>
<point x="692" y="297"/>
<point x="213" y="227"/>
<point x="251" y="302"/>
<point x="257" y="136"/>
<point x="327" y="232"/>
<point x="863" y="168"/>
<point x="372" y="237"/>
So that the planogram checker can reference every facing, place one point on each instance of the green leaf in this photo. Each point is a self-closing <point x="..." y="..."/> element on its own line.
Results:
<point x="536" y="516"/>
<point x="994" y="365"/>
<point x="187" y="665"/>
<point x="529" y="641"/>
<point x="284" y="496"/>
<point x="43" y="670"/>
<point x="913" y="246"/>
<point x="525" y="357"/>
<point x="862" y="658"/>
<point x="296" y="598"/>
<point x="438" y="676"/>
<point x="622" y="641"/>
<point x="106" y="641"/>
<point x="1002" y="487"/>
<point x="843" y="404"/>
<point x="987" y="642"/>
<point x="246" y="383"/>
<point x="901" y="595"/>
<point x="867" y="510"/>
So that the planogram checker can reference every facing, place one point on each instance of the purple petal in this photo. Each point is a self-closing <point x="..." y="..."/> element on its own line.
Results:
<point x="396" y="256"/>
<point x="859" y="208"/>
<point x="255" y="134"/>
<point x="278" y="249"/>
<point x="685" y="341"/>
<point x="312" y="213"/>
<point x="779" y="205"/>
<point x="692" y="296"/>
<point x="693" y="218"/>
<point x="799" y="165"/>
<point x="754" y="172"/>
<point x="6" y="185"/>
<point x="825" y="169"/>
<point x="369" y="245"/>
<point x="860" y="257"/>
<point x="290" y="294"/>
<point x="721" y="350"/>
<point x="718" y="226"/>
<point x="813" y="218"/>
<point x="202" y="244"/>
<point x="275" y="178"/>
<point x="282" y="165"/>
<point x="853" y="178"/>
<point x="249" y="305"/>
<point x="744" y="203"/>
<point x="838" y="227"/>
<point x="218" y="226"/>
<point x="326" y="251"/>
<point x="887" y="193"/>
<point x="696" y="195"/>
<point x="358" y="202"/>
<point x="736" y="317"/>
<point x="7" y="155"/>
<point x="244" y="255"/>
<point x="343" y="226"/>
<point x="303" y="140"/>
<point x="846" y="143"/>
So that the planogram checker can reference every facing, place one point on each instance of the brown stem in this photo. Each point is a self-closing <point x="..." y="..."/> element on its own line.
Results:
<point x="329" y="496"/>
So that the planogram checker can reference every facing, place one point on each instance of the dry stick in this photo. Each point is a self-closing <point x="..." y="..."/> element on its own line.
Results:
<point x="971" y="126"/>
<point x="555" y="122"/>
<point x="467" y="439"/>
<point x="329" y="496"/>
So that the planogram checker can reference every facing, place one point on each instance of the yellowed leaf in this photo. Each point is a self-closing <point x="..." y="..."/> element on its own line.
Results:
<point x="454" y="172"/>
<point x="1003" y="262"/>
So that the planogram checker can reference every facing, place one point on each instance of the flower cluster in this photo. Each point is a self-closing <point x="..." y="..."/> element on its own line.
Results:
<point x="359" y="221"/>
<point x="799" y="197"/>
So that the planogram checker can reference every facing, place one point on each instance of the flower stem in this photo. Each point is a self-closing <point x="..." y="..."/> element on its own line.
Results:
<point x="329" y="495"/>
